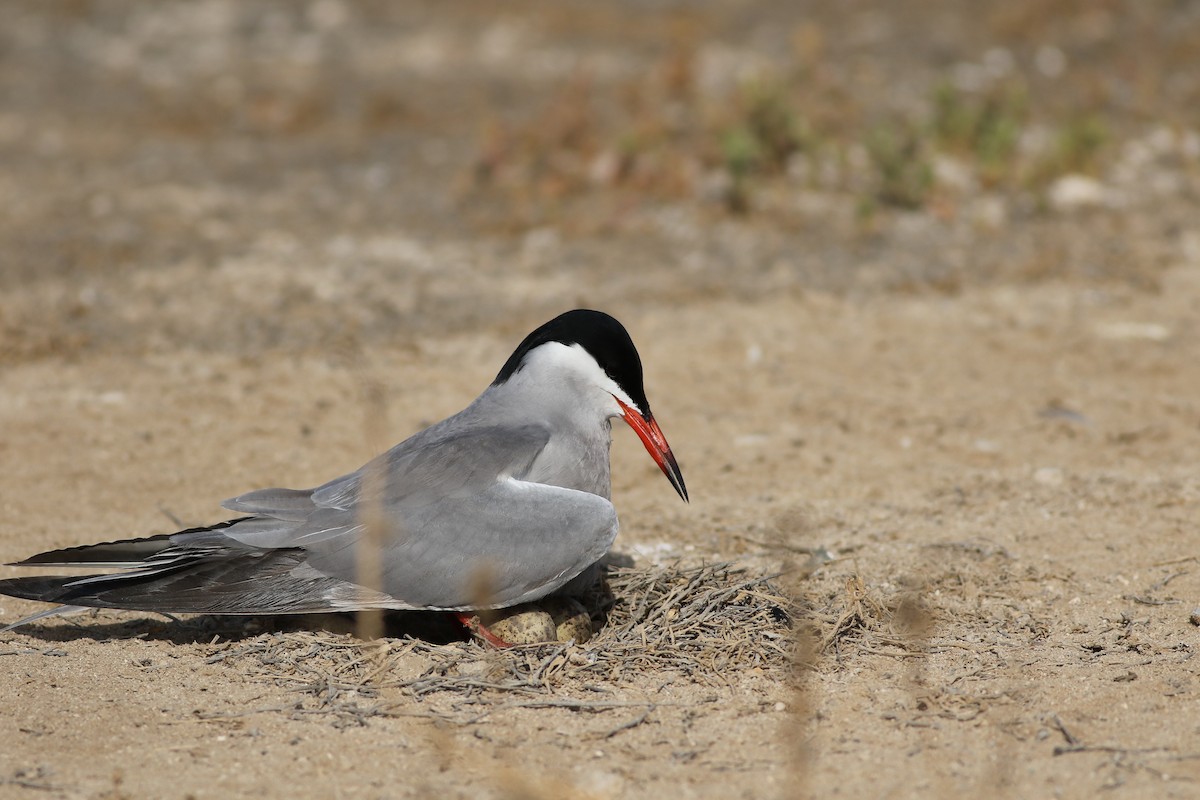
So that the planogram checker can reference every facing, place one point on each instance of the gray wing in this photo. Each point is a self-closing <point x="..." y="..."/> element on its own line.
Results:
<point x="444" y="460"/>
<point x="461" y="529"/>
<point x="506" y="543"/>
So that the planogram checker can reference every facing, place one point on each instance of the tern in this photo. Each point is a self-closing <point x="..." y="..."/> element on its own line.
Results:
<point x="503" y="503"/>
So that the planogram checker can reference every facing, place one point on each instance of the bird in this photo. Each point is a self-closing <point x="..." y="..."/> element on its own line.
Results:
<point x="506" y="502"/>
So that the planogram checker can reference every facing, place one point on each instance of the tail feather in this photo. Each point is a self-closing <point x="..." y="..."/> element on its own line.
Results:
<point x="238" y="586"/>
<point x="197" y="571"/>
<point x="121" y="553"/>
<point x="57" y="611"/>
<point x="91" y="590"/>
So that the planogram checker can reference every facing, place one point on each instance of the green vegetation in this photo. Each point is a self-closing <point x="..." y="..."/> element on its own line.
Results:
<point x="985" y="128"/>
<point x="1075" y="148"/>
<point x="903" y="173"/>
<point x="661" y="138"/>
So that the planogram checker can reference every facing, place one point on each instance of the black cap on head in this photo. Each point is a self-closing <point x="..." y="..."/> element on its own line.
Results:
<point x="605" y="339"/>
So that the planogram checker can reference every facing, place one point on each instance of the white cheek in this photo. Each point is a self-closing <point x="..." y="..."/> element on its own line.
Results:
<point x="575" y="374"/>
<point x="617" y="394"/>
<point x="612" y="406"/>
<point x="591" y="373"/>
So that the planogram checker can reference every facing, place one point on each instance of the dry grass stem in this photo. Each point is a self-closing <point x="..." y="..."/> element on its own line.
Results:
<point x="702" y="623"/>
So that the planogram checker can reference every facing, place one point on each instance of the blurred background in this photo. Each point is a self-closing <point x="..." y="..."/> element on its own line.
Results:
<point x="223" y="173"/>
<point x="916" y="286"/>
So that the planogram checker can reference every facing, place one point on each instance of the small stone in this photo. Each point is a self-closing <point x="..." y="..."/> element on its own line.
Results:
<point x="1072" y="192"/>
<point x="1133" y="331"/>
<point x="480" y="669"/>
<point x="1195" y="617"/>
<point x="1048" y="476"/>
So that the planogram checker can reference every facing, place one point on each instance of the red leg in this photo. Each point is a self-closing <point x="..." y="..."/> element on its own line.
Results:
<point x="476" y="627"/>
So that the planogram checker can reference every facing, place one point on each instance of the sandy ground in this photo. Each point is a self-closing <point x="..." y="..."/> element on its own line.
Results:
<point x="999" y="474"/>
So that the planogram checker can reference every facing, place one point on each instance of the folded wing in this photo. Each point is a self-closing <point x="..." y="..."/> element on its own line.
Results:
<point x="458" y="529"/>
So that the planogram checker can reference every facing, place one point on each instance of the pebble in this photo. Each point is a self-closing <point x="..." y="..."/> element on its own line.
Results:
<point x="1048" y="476"/>
<point x="1126" y="331"/>
<point x="1072" y="192"/>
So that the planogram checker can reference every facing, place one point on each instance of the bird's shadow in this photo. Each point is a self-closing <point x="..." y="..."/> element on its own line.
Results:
<point x="431" y="626"/>
<point x="434" y="627"/>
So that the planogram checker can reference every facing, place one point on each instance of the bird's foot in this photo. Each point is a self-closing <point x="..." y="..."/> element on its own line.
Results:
<point x="477" y="628"/>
